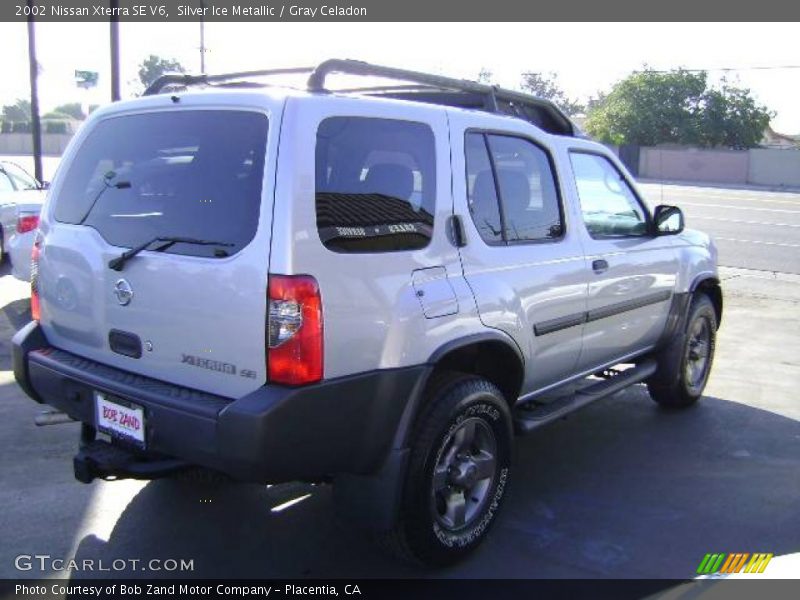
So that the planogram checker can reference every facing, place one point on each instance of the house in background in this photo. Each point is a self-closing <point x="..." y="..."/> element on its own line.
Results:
<point x="773" y="139"/>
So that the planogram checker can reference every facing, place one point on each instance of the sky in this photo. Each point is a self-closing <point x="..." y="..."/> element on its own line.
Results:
<point x="587" y="57"/>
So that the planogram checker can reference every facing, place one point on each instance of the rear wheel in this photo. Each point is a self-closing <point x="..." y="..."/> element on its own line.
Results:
<point x="684" y="365"/>
<point x="457" y="475"/>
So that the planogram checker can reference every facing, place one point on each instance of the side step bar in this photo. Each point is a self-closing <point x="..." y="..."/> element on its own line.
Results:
<point x="532" y="415"/>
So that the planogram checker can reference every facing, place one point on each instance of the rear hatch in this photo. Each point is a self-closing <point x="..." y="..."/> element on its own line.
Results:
<point x="188" y="313"/>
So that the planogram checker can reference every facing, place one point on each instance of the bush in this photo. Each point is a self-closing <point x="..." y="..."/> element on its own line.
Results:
<point x="55" y="126"/>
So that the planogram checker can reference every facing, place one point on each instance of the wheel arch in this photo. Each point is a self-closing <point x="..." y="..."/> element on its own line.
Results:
<point x="491" y="355"/>
<point x="710" y="286"/>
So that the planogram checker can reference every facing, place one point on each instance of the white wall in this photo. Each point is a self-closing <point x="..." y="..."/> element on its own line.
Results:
<point x="53" y="144"/>
<point x="780" y="168"/>
<point x="774" y="167"/>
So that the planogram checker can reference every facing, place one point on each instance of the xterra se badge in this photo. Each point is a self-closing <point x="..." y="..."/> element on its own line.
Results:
<point x="215" y="365"/>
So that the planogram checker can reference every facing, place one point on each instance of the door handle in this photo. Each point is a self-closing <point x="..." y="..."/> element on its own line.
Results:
<point x="599" y="266"/>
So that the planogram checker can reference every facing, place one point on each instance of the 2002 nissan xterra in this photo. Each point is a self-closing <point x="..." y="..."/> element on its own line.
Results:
<point x="374" y="287"/>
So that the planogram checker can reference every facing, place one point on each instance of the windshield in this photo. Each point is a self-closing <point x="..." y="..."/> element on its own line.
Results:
<point x="21" y="179"/>
<point x="192" y="174"/>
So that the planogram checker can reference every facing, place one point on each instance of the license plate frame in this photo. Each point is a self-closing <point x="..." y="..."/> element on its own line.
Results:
<point x="121" y="419"/>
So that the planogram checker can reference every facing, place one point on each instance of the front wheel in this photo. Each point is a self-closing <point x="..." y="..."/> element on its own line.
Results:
<point x="458" y="472"/>
<point x="685" y="364"/>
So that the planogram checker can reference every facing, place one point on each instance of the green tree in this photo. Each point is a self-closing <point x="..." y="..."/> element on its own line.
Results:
<point x="731" y="117"/>
<point x="18" y="112"/>
<point x="56" y="115"/>
<point x="72" y="109"/>
<point x="546" y="86"/>
<point x="650" y="107"/>
<point x="485" y="76"/>
<point x="153" y="67"/>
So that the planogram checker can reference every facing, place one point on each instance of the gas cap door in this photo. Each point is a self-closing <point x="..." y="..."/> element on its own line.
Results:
<point x="434" y="292"/>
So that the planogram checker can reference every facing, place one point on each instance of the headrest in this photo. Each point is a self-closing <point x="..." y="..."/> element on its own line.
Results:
<point x="392" y="180"/>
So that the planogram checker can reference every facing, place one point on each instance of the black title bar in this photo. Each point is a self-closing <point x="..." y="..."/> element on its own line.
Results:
<point x="68" y="11"/>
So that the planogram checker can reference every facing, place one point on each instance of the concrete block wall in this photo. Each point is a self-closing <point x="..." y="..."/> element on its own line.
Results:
<point x="769" y="167"/>
<point x="21" y="144"/>
<point x="774" y="167"/>
<point x="692" y="164"/>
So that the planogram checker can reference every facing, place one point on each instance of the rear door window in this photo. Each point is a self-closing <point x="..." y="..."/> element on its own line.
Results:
<point x="375" y="184"/>
<point x="194" y="174"/>
<point x="511" y="190"/>
<point x="481" y="190"/>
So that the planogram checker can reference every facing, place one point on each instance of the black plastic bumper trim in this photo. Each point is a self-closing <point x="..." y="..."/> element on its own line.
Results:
<point x="274" y="434"/>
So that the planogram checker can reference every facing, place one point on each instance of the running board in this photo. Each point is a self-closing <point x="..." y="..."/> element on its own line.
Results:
<point x="532" y="415"/>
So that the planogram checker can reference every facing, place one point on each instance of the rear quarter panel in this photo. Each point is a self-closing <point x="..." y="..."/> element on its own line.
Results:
<point x="372" y="316"/>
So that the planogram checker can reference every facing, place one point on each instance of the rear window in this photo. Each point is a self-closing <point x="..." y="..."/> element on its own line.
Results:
<point x="375" y="184"/>
<point x="194" y="174"/>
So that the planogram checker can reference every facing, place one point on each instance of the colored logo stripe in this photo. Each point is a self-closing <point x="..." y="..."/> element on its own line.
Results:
<point x="733" y="563"/>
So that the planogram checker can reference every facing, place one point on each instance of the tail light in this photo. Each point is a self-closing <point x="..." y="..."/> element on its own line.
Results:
<point x="27" y="223"/>
<point x="35" y="305"/>
<point x="294" y="330"/>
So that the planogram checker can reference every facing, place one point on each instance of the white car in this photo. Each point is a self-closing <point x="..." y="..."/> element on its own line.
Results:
<point x="21" y="199"/>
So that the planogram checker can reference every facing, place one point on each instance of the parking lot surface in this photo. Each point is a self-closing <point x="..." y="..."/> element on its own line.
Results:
<point x="619" y="489"/>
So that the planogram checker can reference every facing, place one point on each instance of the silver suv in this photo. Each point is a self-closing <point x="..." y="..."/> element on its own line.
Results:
<point x="374" y="287"/>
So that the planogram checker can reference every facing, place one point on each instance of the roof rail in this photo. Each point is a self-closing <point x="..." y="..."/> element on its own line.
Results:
<point x="428" y="88"/>
<point x="186" y="80"/>
<point x="541" y="112"/>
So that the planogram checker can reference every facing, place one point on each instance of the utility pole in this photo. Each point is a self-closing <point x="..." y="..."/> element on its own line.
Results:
<point x="114" y="38"/>
<point x="202" y="39"/>
<point x="36" y="125"/>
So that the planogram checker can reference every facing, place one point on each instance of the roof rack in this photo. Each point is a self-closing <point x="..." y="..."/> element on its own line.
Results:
<point x="428" y="88"/>
<point x="470" y="94"/>
<point x="186" y="80"/>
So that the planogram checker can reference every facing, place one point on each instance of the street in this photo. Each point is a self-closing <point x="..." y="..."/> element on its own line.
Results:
<point x="754" y="229"/>
<point x="619" y="489"/>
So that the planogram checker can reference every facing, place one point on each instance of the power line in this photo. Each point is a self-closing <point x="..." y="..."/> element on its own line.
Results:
<point x="752" y="68"/>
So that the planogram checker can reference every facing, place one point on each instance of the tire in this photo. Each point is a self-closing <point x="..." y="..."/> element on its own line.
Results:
<point x="685" y="364"/>
<point x="446" y="513"/>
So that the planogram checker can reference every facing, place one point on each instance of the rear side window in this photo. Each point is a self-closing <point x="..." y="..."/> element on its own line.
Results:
<point x="194" y="174"/>
<point x="375" y="184"/>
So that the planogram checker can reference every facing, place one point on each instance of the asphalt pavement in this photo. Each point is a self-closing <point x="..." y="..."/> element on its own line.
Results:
<point x="753" y="229"/>
<point x="620" y="489"/>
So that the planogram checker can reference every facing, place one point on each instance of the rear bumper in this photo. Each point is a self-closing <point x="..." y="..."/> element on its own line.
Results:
<point x="343" y="426"/>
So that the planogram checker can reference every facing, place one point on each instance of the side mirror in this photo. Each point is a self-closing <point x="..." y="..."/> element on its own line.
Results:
<point x="667" y="220"/>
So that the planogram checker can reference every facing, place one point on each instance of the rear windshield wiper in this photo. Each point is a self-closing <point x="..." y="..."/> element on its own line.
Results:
<point x="117" y="263"/>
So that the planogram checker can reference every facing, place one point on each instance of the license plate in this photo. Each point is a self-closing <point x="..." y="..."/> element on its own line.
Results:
<point x="120" y="420"/>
